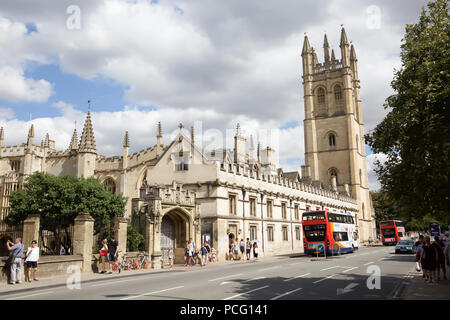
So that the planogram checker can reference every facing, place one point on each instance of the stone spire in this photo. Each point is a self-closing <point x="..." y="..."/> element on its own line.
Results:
<point x="2" y="137"/>
<point x="306" y="47"/>
<point x="73" y="146"/>
<point x="326" y="48"/>
<point x="30" y="137"/>
<point x="251" y="148"/>
<point x="87" y="142"/>
<point x="47" y="141"/>
<point x="333" y="57"/>
<point x="126" y="140"/>
<point x="159" y="147"/>
<point x="353" y="53"/>
<point x="344" y="49"/>
<point x="258" y="152"/>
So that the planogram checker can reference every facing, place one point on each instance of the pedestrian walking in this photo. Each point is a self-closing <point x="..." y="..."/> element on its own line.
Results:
<point x="429" y="257"/>
<point x="171" y="257"/>
<point x="32" y="258"/>
<point x="204" y="252"/>
<point x="439" y="245"/>
<point x="418" y="252"/>
<point x="242" y="247"/>
<point x="103" y="254"/>
<point x="447" y="253"/>
<point x="186" y="254"/>
<point x="191" y="251"/>
<point x="113" y="253"/>
<point x="208" y="248"/>
<point x="255" y="250"/>
<point x="370" y="241"/>
<point x="15" y="260"/>
<point x="248" y="248"/>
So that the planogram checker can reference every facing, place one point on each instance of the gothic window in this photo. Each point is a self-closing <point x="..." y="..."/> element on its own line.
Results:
<point x="15" y="165"/>
<point x="332" y="140"/>
<point x="321" y="95"/>
<point x="333" y="175"/>
<point x="338" y="93"/>
<point x="110" y="185"/>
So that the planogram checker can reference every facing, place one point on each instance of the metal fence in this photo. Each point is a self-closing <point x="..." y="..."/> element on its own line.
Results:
<point x="8" y="232"/>
<point x="57" y="242"/>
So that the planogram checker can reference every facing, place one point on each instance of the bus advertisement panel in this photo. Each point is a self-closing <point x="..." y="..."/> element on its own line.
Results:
<point x="334" y="231"/>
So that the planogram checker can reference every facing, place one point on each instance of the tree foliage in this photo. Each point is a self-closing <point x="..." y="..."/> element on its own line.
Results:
<point x="135" y="240"/>
<point x="415" y="133"/>
<point x="60" y="199"/>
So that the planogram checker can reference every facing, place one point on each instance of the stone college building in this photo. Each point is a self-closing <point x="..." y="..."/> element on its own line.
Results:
<point x="181" y="191"/>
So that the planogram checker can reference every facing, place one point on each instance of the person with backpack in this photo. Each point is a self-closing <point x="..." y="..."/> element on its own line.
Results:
<point x="15" y="260"/>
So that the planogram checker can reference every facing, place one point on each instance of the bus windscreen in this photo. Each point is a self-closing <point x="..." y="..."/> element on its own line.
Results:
<point x="388" y="233"/>
<point x="315" y="232"/>
<point x="387" y="223"/>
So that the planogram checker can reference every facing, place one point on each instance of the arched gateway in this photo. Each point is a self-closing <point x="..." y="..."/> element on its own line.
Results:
<point x="169" y="217"/>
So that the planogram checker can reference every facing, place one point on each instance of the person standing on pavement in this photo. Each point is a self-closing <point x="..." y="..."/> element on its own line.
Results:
<point x="208" y="248"/>
<point x="204" y="252"/>
<point x="170" y="257"/>
<point x="255" y="250"/>
<point x="370" y="241"/>
<point x="191" y="251"/>
<point x="430" y="258"/>
<point x="242" y="247"/>
<point x="32" y="260"/>
<point x="418" y="252"/>
<point x="16" y="255"/>
<point x="103" y="254"/>
<point x="447" y="253"/>
<point x="113" y="253"/>
<point x="186" y="254"/>
<point x="248" y="248"/>
<point x="439" y="245"/>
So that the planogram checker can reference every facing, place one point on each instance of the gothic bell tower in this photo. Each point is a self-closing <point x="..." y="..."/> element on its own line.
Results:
<point x="333" y="127"/>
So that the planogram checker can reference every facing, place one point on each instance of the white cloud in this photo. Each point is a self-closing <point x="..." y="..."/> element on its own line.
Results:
<point x="374" y="184"/>
<point x="6" y="113"/>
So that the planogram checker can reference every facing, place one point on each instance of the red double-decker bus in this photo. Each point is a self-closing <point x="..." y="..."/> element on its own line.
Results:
<point x="392" y="231"/>
<point x="325" y="230"/>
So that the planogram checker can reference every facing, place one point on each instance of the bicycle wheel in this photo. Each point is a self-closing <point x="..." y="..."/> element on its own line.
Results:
<point x="146" y="264"/>
<point x="115" y="267"/>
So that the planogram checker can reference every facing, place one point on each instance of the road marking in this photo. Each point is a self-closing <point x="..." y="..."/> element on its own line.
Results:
<point x="269" y="268"/>
<point x="329" y="268"/>
<point x="240" y="294"/>
<point x="285" y="294"/>
<point x="108" y="282"/>
<point x="29" y="295"/>
<point x="150" y="293"/>
<point x="253" y="279"/>
<point x="368" y="263"/>
<point x="324" y="278"/>
<point x="350" y="269"/>
<point x="295" y="263"/>
<point x="231" y="275"/>
<point x="303" y="275"/>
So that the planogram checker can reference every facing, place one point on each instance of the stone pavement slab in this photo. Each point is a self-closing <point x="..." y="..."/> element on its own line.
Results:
<point x="418" y="289"/>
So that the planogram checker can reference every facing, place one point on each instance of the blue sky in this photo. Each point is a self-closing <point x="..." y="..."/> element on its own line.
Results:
<point x="220" y="63"/>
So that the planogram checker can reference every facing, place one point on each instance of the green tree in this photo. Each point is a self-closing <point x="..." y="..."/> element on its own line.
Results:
<point x="135" y="240"/>
<point x="59" y="200"/>
<point x="415" y="133"/>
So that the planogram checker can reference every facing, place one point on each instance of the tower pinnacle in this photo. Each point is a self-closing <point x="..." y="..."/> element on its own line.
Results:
<point x="87" y="142"/>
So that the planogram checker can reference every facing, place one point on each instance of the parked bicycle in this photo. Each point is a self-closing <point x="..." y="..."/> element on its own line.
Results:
<point x="126" y="264"/>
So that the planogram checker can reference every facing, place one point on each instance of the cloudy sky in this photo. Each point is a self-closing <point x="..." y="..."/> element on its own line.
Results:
<point x="206" y="63"/>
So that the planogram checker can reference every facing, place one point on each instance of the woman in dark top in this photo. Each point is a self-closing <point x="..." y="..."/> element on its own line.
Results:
<point x="429" y="258"/>
<point x="439" y="245"/>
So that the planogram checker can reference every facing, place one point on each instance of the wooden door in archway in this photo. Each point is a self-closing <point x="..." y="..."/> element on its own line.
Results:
<point x="167" y="237"/>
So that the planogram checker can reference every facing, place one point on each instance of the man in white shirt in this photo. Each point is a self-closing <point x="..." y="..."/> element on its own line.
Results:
<point x="32" y="260"/>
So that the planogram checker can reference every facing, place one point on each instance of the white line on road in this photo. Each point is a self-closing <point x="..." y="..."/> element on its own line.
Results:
<point x="285" y="294"/>
<point x="114" y="282"/>
<point x="350" y="269"/>
<point x="329" y="268"/>
<point x="30" y="295"/>
<point x="365" y="264"/>
<point x="231" y="275"/>
<point x="324" y="278"/>
<point x="240" y="294"/>
<point x="303" y="275"/>
<point x="269" y="268"/>
<point x="150" y="293"/>
<point x="253" y="279"/>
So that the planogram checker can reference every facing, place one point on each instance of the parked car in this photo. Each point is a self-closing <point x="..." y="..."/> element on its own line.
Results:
<point x="405" y="246"/>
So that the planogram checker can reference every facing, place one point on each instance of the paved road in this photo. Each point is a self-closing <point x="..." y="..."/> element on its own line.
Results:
<point x="301" y="278"/>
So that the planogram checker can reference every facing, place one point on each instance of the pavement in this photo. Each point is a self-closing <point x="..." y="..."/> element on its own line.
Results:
<point x="371" y="273"/>
<point x="417" y="289"/>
